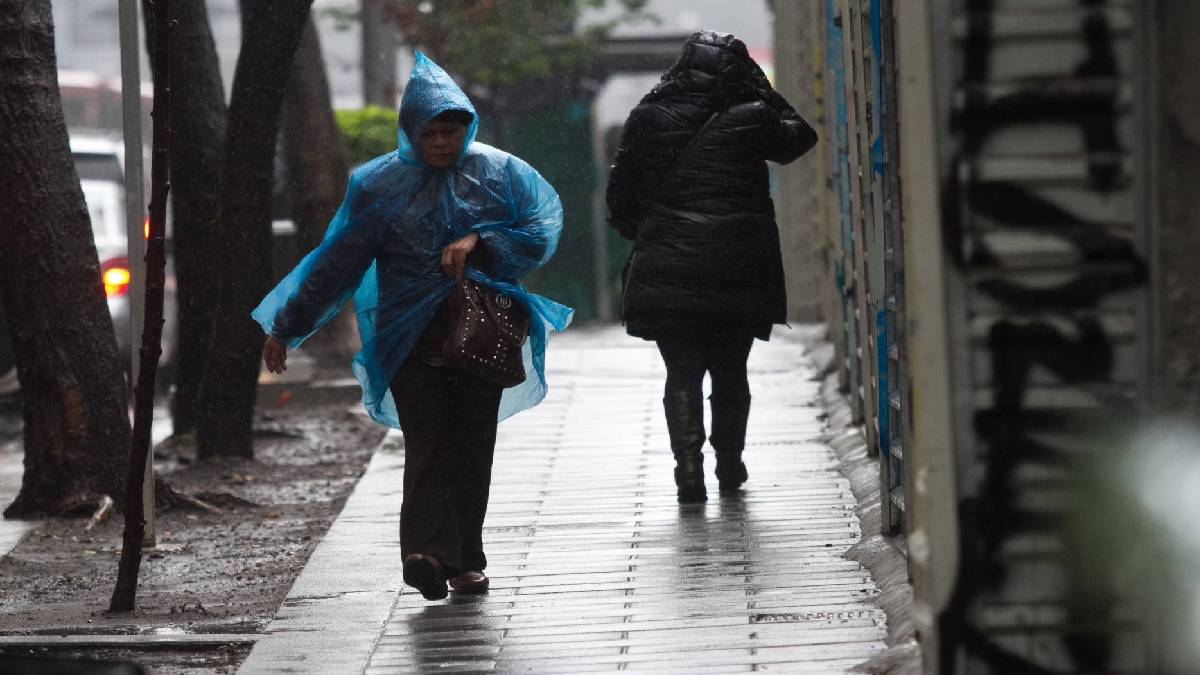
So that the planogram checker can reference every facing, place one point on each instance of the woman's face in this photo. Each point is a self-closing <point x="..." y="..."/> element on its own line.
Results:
<point x="440" y="143"/>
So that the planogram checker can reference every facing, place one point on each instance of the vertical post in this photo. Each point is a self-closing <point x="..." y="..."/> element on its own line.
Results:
<point x="131" y="102"/>
<point x="861" y="219"/>
<point x="379" y="43"/>
<point x="1168" y="172"/>
<point x="604" y="310"/>
<point x="929" y="437"/>
<point x="800" y="208"/>
<point x="601" y="160"/>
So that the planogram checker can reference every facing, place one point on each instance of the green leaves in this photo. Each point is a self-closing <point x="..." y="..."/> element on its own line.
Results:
<point x="487" y="44"/>
<point x="368" y="132"/>
<point x="496" y="43"/>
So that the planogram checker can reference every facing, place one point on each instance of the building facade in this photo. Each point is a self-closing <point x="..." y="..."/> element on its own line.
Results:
<point x="1003" y="238"/>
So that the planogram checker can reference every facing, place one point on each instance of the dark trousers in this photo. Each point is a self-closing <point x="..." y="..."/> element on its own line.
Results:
<point x="722" y="356"/>
<point x="449" y="423"/>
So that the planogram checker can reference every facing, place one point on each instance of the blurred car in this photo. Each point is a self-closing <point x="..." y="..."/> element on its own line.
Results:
<point x="99" y="160"/>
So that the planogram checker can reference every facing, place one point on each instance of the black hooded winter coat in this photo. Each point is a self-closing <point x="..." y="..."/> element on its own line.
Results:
<point x="691" y="190"/>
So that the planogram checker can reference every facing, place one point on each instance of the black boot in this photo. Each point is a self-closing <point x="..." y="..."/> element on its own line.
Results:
<point x="685" y="424"/>
<point x="729" y="415"/>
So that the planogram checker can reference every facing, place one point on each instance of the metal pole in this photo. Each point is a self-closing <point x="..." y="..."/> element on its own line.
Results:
<point x="931" y="438"/>
<point x="600" y="159"/>
<point x="604" y="310"/>
<point x="135" y="209"/>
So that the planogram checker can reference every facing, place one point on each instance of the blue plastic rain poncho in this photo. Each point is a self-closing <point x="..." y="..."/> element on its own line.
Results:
<point x="385" y="242"/>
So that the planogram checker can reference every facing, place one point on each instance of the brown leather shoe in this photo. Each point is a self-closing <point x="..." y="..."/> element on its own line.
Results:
<point x="424" y="573"/>
<point x="470" y="582"/>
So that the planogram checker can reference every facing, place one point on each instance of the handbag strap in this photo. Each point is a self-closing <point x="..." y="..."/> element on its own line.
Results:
<point x="675" y="164"/>
<point x="691" y="142"/>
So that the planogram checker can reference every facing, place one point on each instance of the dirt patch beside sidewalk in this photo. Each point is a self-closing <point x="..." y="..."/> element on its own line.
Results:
<point x="223" y="569"/>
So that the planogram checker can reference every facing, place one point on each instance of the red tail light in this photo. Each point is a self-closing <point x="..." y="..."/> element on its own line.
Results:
<point x="115" y="275"/>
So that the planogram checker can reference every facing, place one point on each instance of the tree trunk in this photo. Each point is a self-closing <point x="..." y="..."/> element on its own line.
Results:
<point x="225" y="407"/>
<point x="378" y="55"/>
<point x="125" y="592"/>
<point x="197" y="112"/>
<point x="317" y="175"/>
<point x="76" y="427"/>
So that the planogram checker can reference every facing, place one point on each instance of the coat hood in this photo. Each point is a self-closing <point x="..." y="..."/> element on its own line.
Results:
<point x="712" y="63"/>
<point x="430" y="92"/>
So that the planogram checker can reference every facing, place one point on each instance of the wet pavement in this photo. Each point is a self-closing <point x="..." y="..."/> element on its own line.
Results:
<point x="594" y="565"/>
<point x="11" y="467"/>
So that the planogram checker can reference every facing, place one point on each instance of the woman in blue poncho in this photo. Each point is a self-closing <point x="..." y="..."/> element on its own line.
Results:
<point x="412" y="223"/>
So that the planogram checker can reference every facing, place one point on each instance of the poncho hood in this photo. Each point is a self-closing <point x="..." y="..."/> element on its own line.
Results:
<point x="430" y="92"/>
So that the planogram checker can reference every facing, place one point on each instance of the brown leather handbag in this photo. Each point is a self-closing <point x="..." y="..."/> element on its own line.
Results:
<point x="487" y="329"/>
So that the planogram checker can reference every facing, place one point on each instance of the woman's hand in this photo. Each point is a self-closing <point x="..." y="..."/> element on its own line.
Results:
<point x="275" y="355"/>
<point x="454" y="256"/>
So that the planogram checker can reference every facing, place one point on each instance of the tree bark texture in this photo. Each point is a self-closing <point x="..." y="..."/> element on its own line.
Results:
<point x="225" y="407"/>
<point x="76" y="428"/>
<point x="197" y="111"/>
<point x="379" y="42"/>
<point x="125" y="592"/>
<point x="317" y="173"/>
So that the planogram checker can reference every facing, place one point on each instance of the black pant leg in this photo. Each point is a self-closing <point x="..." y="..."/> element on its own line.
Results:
<point x="449" y="425"/>
<point x="427" y="514"/>
<point x="683" y="405"/>
<point x="685" y="362"/>
<point x="473" y="430"/>
<point x="725" y="360"/>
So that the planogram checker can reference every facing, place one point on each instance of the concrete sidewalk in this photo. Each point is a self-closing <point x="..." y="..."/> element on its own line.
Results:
<point x="594" y="565"/>
<point x="11" y="468"/>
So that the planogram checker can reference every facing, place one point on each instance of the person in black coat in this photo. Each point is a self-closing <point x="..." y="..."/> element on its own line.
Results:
<point x="689" y="186"/>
